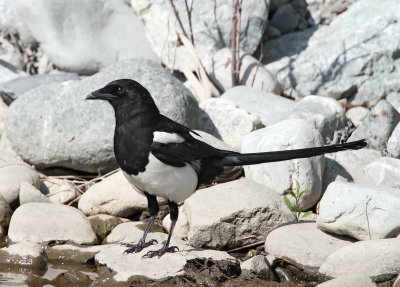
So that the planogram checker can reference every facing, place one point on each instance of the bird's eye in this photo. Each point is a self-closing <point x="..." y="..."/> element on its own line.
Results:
<point x="120" y="90"/>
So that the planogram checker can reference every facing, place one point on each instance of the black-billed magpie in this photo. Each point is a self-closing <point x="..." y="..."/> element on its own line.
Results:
<point x="160" y="157"/>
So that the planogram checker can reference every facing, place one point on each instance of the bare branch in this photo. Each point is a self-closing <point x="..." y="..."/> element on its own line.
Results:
<point x="189" y="13"/>
<point x="235" y="41"/>
<point x="178" y="18"/>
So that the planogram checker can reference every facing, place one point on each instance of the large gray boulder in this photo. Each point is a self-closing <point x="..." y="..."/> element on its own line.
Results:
<point x="108" y="32"/>
<point x="279" y="176"/>
<point x="361" y="212"/>
<point x="11" y="90"/>
<point x="43" y="222"/>
<point x="211" y="23"/>
<point x="233" y="214"/>
<point x="53" y="125"/>
<point x="339" y="59"/>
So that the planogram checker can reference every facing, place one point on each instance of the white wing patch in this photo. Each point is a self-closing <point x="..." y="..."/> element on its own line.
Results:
<point x="164" y="137"/>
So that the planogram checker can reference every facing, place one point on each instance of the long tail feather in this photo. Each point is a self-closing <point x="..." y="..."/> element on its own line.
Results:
<point x="262" y="157"/>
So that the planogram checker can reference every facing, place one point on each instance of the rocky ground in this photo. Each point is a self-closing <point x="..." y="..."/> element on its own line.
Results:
<point x="312" y="72"/>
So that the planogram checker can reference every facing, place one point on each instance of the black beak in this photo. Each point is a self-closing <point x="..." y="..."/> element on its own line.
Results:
<point x="93" y="96"/>
<point x="96" y="95"/>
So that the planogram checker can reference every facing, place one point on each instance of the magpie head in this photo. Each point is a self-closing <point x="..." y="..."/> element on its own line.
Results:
<point x="120" y="92"/>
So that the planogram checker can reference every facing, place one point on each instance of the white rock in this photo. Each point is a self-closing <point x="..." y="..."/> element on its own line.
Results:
<point x="68" y="253"/>
<point x="347" y="166"/>
<point x="373" y="258"/>
<point x="256" y="265"/>
<point x="357" y="114"/>
<point x="109" y="32"/>
<point x="29" y="193"/>
<point x="211" y="26"/>
<point x="181" y="230"/>
<point x="114" y="196"/>
<point x="382" y="172"/>
<point x="41" y="222"/>
<point x="287" y="135"/>
<point x="59" y="191"/>
<point x="12" y="174"/>
<point x="3" y="110"/>
<point x="324" y="114"/>
<point x="24" y="249"/>
<point x="360" y="212"/>
<point x="212" y="140"/>
<point x="351" y="280"/>
<point x="235" y="213"/>
<point x="168" y="265"/>
<point x="377" y="126"/>
<point x="252" y="73"/>
<point x="9" y="53"/>
<point x="26" y="254"/>
<point x="9" y="72"/>
<point x="394" y="99"/>
<point x="303" y="243"/>
<point x="269" y="107"/>
<point x="226" y="120"/>
<point x="393" y="145"/>
<point x="340" y="57"/>
<point x="131" y="232"/>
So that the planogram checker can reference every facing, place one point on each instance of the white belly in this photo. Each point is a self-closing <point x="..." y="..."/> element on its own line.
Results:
<point x="173" y="183"/>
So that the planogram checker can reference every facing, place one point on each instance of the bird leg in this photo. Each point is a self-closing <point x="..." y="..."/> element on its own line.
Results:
<point x="153" y="208"/>
<point x="173" y="214"/>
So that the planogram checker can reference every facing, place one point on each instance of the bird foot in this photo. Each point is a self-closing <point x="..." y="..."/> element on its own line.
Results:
<point x="161" y="252"/>
<point x="135" y="248"/>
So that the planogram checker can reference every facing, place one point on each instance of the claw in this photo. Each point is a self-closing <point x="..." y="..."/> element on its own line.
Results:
<point x="161" y="251"/>
<point x="135" y="248"/>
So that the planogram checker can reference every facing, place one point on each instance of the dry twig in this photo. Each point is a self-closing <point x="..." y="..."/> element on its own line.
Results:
<point x="235" y="41"/>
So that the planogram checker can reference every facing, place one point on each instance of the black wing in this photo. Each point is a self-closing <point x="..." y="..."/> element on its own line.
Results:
<point x="177" y="154"/>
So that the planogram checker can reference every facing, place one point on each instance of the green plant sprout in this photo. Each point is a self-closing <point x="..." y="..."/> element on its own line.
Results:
<point x="294" y="207"/>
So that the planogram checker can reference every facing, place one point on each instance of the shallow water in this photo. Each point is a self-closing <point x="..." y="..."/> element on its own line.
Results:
<point x="53" y="275"/>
